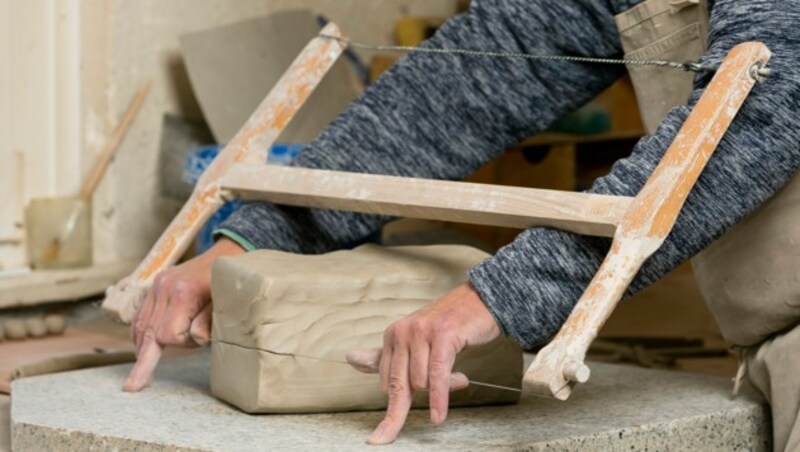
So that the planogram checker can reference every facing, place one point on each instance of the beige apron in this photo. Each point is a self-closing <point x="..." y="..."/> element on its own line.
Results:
<point x="749" y="277"/>
<point x="674" y="30"/>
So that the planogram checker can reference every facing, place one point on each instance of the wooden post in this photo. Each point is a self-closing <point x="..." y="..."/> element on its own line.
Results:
<point x="649" y="220"/>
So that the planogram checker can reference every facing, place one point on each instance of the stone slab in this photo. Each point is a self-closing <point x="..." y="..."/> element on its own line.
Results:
<point x="620" y="408"/>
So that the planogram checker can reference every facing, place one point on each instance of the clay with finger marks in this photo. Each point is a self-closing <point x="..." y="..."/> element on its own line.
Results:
<point x="273" y="310"/>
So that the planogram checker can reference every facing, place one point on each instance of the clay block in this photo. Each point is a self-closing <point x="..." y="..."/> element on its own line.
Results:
<point x="35" y="327"/>
<point x="15" y="329"/>
<point x="55" y="323"/>
<point x="271" y="309"/>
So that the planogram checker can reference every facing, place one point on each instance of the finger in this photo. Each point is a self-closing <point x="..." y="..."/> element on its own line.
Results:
<point x="365" y="360"/>
<point x="142" y="314"/>
<point x="147" y="320"/>
<point x="418" y="370"/>
<point x="440" y="367"/>
<point x="400" y="395"/>
<point x="200" y="330"/>
<point x="458" y="381"/>
<point x="185" y="303"/>
<point x="385" y="364"/>
<point x="149" y="352"/>
<point x="146" y="362"/>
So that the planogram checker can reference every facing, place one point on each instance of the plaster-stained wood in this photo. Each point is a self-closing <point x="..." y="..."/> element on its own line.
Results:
<point x="249" y="145"/>
<point x="44" y="286"/>
<point x="649" y="220"/>
<point x="516" y="207"/>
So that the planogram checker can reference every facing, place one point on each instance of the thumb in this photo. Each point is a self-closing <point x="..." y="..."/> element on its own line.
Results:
<point x="365" y="360"/>
<point x="200" y="329"/>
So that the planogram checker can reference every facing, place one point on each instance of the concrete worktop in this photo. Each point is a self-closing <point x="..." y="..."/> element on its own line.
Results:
<point x="620" y="408"/>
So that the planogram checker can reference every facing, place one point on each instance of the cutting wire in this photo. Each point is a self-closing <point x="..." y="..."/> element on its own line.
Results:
<point x="692" y="66"/>
<point x="337" y="361"/>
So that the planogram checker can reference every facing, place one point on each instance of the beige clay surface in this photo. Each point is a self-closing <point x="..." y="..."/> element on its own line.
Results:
<point x="15" y="329"/>
<point x="274" y="310"/>
<point x="35" y="327"/>
<point x="56" y="323"/>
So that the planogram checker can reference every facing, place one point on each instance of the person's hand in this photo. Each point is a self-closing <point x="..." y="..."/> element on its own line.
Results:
<point x="419" y="352"/>
<point x="177" y="311"/>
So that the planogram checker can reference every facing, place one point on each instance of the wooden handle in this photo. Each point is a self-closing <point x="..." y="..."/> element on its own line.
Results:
<point x="649" y="220"/>
<point x="560" y="365"/>
<point x="111" y="148"/>
<point x="250" y="144"/>
<point x="462" y="202"/>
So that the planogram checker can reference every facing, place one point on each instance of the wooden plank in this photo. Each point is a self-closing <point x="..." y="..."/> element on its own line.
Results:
<point x="44" y="286"/>
<point x="650" y="219"/>
<point x="461" y="202"/>
<point x="17" y="354"/>
<point x="557" y="171"/>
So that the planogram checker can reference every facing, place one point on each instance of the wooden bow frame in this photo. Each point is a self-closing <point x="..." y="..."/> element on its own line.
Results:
<point x="638" y="225"/>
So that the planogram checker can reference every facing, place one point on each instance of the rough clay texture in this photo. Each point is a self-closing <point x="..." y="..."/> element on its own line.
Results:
<point x="32" y="327"/>
<point x="35" y="327"/>
<point x="270" y="304"/>
<point x="15" y="329"/>
<point x="622" y="408"/>
<point x="56" y="324"/>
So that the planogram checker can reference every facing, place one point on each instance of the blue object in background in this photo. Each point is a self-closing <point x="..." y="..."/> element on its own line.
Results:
<point x="283" y="154"/>
<point x="197" y="161"/>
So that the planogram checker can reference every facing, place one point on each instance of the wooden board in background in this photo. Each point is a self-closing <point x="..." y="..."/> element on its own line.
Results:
<point x="15" y="354"/>
<point x="44" y="286"/>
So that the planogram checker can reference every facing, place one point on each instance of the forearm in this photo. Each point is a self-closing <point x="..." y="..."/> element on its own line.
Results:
<point x="532" y="285"/>
<point x="442" y="116"/>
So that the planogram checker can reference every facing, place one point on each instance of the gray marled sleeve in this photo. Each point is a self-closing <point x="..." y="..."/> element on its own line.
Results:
<point x="442" y="117"/>
<point x="532" y="285"/>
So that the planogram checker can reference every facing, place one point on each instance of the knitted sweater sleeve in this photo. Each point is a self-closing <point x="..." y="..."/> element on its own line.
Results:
<point x="443" y="116"/>
<point x="532" y="285"/>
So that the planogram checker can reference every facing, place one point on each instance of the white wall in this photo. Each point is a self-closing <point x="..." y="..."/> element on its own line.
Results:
<point x="40" y="120"/>
<point x="68" y="69"/>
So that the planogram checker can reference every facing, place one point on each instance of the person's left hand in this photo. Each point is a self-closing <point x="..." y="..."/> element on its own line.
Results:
<point x="419" y="352"/>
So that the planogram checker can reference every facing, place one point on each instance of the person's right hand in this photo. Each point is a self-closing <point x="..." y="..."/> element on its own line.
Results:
<point x="177" y="311"/>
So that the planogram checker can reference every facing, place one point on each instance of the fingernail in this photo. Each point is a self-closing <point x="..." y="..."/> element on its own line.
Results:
<point x="436" y="416"/>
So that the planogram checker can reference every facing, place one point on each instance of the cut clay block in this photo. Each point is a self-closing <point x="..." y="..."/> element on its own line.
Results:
<point x="35" y="327"/>
<point x="15" y="329"/>
<point x="273" y="310"/>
